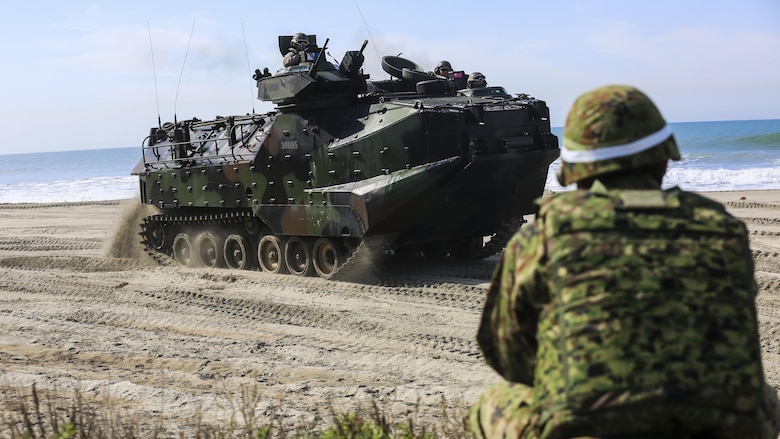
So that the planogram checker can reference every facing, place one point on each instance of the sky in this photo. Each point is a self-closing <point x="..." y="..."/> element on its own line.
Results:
<point x="96" y="74"/>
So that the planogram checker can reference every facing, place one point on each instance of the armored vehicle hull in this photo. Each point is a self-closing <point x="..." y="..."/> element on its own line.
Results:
<point x="344" y="161"/>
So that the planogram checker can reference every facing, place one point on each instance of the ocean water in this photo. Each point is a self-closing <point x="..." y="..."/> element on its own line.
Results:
<point x="716" y="156"/>
<point x="86" y="175"/>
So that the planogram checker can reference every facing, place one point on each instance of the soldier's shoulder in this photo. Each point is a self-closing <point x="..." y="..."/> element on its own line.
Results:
<point x="562" y="197"/>
<point x="694" y="199"/>
<point x="577" y="199"/>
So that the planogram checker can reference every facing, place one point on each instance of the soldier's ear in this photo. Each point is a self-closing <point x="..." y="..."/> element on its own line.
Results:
<point x="660" y="171"/>
<point x="559" y="176"/>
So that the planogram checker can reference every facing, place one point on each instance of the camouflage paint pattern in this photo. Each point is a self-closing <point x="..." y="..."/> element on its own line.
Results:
<point x="610" y="116"/>
<point x="624" y="312"/>
<point x="344" y="159"/>
<point x="386" y="167"/>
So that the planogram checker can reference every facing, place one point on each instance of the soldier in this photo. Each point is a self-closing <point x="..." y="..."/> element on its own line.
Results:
<point x="298" y="45"/>
<point x="443" y="68"/>
<point x="477" y="80"/>
<point x="624" y="309"/>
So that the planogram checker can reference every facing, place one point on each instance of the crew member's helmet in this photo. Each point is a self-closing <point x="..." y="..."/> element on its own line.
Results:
<point x="476" y="80"/>
<point x="440" y="65"/>
<point x="299" y="41"/>
<point x="613" y="128"/>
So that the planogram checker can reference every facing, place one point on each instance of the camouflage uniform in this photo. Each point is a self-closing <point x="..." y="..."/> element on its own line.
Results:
<point x="291" y="58"/>
<point x="624" y="309"/>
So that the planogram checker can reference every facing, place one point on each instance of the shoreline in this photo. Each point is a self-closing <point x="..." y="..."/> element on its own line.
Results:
<point x="769" y="195"/>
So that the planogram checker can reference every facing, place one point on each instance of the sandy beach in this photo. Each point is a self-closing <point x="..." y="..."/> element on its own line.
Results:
<point x="83" y="308"/>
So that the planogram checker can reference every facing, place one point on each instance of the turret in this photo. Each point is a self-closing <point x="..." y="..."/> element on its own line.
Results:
<point x="314" y="82"/>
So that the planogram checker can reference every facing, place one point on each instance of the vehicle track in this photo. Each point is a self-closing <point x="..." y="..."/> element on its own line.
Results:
<point x="761" y="221"/>
<point x="751" y="205"/>
<point x="205" y="296"/>
<point x="48" y="243"/>
<point x="768" y="307"/>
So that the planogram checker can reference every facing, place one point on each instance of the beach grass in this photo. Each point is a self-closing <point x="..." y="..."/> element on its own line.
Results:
<point x="29" y="413"/>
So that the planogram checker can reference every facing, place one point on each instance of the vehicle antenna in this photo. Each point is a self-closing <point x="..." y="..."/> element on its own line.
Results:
<point x="154" y="72"/>
<point x="248" y="67"/>
<point x="369" y="33"/>
<point x="176" y="99"/>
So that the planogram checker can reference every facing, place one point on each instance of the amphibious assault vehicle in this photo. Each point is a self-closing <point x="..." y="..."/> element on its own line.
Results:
<point x="406" y="164"/>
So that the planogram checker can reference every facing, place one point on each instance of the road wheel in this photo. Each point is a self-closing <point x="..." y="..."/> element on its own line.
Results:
<point x="182" y="250"/>
<point x="297" y="255"/>
<point x="155" y="235"/>
<point x="236" y="255"/>
<point x="269" y="255"/>
<point x="328" y="257"/>
<point x="210" y="250"/>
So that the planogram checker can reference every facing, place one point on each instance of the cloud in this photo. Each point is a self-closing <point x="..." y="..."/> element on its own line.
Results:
<point x="129" y="50"/>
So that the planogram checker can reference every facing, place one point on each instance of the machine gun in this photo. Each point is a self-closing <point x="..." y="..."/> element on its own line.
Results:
<point x="320" y="57"/>
<point x="352" y="62"/>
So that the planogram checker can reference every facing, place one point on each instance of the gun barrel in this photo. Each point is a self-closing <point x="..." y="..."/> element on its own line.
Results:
<point x="321" y="55"/>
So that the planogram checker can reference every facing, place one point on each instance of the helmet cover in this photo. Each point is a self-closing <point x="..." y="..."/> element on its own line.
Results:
<point x="613" y="128"/>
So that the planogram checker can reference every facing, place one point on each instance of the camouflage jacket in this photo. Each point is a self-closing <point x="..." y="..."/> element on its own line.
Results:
<point x="630" y="296"/>
<point x="291" y="58"/>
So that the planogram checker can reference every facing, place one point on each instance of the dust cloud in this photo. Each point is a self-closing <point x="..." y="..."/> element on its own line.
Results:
<point x="123" y="240"/>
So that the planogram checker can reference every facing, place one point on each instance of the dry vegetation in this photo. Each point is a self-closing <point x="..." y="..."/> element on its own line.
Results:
<point x="29" y="413"/>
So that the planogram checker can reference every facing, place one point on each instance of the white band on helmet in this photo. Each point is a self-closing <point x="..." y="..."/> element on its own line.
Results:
<point x="612" y="152"/>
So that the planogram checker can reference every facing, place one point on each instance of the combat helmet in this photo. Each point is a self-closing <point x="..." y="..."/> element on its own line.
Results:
<point x="613" y="128"/>
<point x="442" y="64"/>
<point x="474" y="77"/>
<point x="299" y="38"/>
